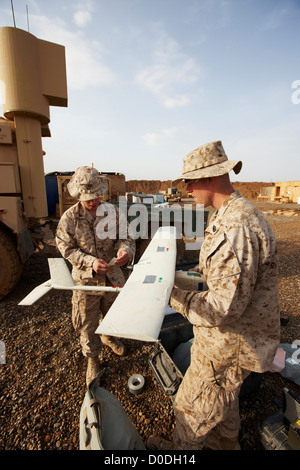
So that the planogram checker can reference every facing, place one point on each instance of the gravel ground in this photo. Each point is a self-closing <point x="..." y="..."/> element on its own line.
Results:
<point x="42" y="383"/>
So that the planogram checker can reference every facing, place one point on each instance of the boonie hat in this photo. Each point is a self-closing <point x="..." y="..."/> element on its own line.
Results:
<point x="87" y="184"/>
<point x="207" y="161"/>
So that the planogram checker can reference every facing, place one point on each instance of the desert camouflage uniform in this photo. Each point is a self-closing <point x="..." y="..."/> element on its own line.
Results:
<point x="77" y="239"/>
<point x="236" y="324"/>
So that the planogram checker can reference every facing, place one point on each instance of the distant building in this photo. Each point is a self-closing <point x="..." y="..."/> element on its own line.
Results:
<point x="284" y="191"/>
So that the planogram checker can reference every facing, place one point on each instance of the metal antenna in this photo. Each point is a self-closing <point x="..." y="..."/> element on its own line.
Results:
<point x="13" y="13"/>
<point x="27" y="18"/>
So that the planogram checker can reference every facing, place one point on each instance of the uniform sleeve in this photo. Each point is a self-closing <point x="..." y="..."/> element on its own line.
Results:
<point x="232" y="266"/>
<point x="67" y="244"/>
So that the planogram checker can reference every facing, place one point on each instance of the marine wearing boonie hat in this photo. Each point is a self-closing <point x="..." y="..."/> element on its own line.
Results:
<point x="207" y="161"/>
<point x="87" y="184"/>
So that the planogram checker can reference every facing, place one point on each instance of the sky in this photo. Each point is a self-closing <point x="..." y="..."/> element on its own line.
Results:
<point x="151" y="80"/>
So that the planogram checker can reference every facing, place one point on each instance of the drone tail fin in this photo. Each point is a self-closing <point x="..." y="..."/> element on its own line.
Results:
<point x="61" y="277"/>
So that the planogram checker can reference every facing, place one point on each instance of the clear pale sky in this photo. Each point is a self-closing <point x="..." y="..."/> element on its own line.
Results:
<point x="151" y="80"/>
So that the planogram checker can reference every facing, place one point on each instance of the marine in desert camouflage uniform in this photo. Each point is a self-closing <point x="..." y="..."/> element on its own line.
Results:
<point x="88" y="235"/>
<point x="236" y="322"/>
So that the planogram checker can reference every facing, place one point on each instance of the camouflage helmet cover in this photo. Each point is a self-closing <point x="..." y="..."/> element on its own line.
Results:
<point x="206" y="161"/>
<point x="87" y="184"/>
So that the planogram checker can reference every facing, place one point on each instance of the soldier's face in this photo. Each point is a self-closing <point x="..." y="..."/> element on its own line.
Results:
<point x="201" y="191"/>
<point x="92" y="204"/>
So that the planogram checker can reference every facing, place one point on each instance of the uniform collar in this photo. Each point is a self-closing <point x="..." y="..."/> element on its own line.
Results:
<point x="229" y="200"/>
<point x="214" y="221"/>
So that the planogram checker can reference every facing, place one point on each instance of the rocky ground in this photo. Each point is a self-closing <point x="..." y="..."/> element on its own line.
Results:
<point x="42" y="383"/>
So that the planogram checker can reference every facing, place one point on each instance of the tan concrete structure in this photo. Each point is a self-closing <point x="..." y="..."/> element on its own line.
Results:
<point x="32" y="78"/>
<point x="284" y="191"/>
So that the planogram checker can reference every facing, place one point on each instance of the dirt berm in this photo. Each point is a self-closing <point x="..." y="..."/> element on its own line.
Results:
<point x="248" y="190"/>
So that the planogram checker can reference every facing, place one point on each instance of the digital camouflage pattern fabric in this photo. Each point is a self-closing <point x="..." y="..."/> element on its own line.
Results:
<point x="86" y="183"/>
<point x="236" y="321"/>
<point x="206" y="161"/>
<point x="78" y="239"/>
<point x="238" y="317"/>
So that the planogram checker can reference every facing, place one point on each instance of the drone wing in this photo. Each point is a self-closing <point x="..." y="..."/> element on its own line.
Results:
<point x="139" y="309"/>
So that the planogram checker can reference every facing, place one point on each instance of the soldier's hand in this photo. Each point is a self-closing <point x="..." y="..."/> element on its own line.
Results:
<point x="122" y="259"/>
<point x="100" y="266"/>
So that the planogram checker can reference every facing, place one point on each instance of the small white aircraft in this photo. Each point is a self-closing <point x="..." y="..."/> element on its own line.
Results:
<point x="140" y="307"/>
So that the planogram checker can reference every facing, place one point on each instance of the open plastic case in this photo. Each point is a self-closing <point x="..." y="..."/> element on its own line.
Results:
<point x="171" y="357"/>
<point x="281" y="431"/>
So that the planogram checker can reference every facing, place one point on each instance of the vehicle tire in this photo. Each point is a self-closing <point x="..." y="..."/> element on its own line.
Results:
<point x="10" y="264"/>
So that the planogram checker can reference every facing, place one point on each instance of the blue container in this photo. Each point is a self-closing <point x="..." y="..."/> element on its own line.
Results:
<point x="52" y="193"/>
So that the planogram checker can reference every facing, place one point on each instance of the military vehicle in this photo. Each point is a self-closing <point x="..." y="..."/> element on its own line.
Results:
<point x="172" y="194"/>
<point x="32" y="78"/>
